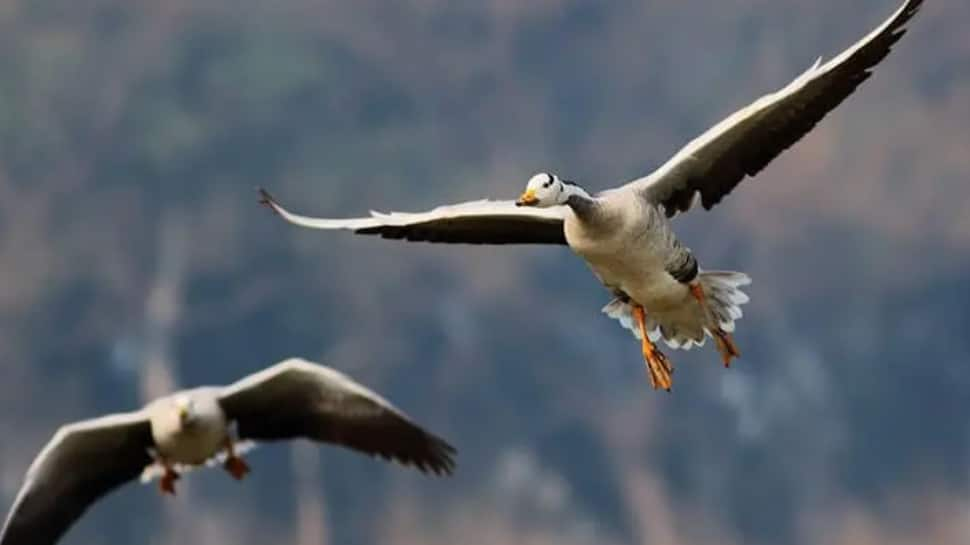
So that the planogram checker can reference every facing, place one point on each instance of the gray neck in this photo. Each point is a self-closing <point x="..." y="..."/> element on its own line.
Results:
<point x="582" y="203"/>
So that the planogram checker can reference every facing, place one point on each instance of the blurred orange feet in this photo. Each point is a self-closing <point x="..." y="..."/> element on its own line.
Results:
<point x="235" y="465"/>
<point x="726" y="346"/>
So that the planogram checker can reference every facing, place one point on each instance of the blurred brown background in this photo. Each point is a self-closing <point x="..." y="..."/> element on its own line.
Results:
<point x="135" y="259"/>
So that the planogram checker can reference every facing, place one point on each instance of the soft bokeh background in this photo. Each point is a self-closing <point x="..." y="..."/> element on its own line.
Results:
<point x="135" y="259"/>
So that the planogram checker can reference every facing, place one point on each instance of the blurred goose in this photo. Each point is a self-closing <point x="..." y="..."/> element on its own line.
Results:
<point x="624" y="234"/>
<point x="292" y="399"/>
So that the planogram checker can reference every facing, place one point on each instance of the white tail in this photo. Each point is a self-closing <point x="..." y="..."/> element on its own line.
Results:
<point x="684" y="329"/>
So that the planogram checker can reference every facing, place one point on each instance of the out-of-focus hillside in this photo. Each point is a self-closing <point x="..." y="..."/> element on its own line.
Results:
<point x="134" y="258"/>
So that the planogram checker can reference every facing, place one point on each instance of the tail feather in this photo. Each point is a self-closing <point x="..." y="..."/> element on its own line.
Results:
<point x="622" y="311"/>
<point x="684" y="329"/>
<point x="724" y="296"/>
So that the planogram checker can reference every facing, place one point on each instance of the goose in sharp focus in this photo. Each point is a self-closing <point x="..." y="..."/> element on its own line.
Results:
<point x="292" y="399"/>
<point x="624" y="234"/>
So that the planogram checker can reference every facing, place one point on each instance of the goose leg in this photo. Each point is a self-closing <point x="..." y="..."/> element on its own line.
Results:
<point x="725" y="344"/>
<point x="166" y="484"/>
<point x="235" y="465"/>
<point x="657" y="363"/>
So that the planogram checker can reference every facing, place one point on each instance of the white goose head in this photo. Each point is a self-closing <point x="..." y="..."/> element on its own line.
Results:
<point x="545" y="190"/>
<point x="542" y="191"/>
<point x="185" y="408"/>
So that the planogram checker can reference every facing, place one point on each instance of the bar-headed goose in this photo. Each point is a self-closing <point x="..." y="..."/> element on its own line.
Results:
<point x="624" y="234"/>
<point x="293" y="399"/>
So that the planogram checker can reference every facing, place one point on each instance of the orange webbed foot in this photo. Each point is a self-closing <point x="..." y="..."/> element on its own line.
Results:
<point x="659" y="368"/>
<point x="726" y="346"/>
<point x="658" y="365"/>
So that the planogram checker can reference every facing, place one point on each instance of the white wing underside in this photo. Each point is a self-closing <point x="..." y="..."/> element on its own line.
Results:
<point x="474" y="222"/>
<point x="483" y="208"/>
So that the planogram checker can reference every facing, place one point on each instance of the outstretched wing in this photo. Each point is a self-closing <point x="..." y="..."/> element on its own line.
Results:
<point x="744" y="143"/>
<point x="299" y="399"/>
<point x="475" y="222"/>
<point x="82" y="462"/>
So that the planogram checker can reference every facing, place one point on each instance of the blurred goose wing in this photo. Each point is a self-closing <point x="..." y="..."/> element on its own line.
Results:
<point x="299" y="399"/>
<point x="744" y="143"/>
<point x="82" y="462"/>
<point x="475" y="222"/>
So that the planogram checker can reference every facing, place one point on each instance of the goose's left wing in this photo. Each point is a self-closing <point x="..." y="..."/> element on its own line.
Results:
<point x="476" y="222"/>
<point x="744" y="143"/>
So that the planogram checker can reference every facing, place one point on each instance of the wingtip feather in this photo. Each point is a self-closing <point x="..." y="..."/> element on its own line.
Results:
<point x="267" y="200"/>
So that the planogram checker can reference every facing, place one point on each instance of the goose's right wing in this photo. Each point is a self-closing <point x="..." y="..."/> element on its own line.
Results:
<point x="81" y="463"/>
<point x="475" y="222"/>
<point x="300" y="399"/>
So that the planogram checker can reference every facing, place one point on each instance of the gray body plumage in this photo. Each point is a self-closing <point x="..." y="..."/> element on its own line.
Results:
<point x="630" y="245"/>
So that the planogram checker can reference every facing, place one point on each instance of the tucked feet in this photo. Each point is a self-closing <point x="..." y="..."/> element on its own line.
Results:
<point x="725" y="344"/>
<point x="267" y="200"/>
<point x="657" y="363"/>
<point x="167" y="483"/>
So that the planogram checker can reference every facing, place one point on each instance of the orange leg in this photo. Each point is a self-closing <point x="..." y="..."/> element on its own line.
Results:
<point x="234" y="464"/>
<point x="167" y="483"/>
<point x="657" y="363"/>
<point x="725" y="344"/>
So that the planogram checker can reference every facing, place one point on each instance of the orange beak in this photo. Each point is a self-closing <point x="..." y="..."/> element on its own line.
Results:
<point x="527" y="199"/>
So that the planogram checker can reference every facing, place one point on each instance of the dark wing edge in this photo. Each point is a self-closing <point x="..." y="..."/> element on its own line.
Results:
<point x="474" y="222"/>
<point x="83" y="462"/>
<point x="777" y="121"/>
<point x="300" y="399"/>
